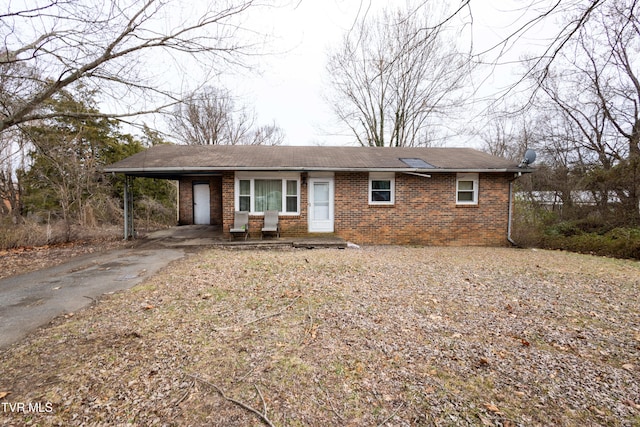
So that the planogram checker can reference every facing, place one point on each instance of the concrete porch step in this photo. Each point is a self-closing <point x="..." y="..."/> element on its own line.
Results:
<point x="314" y="243"/>
<point x="333" y="242"/>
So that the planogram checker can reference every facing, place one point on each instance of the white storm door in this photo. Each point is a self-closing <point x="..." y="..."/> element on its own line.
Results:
<point x="321" y="205"/>
<point x="201" y="204"/>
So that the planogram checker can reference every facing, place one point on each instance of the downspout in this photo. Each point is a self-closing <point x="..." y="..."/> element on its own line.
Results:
<point x="177" y="202"/>
<point x="509" y="239"/>
<point x="126" y="207"/>
<point x="129" y="230"/>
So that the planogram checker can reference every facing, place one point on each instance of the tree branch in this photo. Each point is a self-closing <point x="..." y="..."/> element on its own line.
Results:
<point x="263" y="416"/>
<point x="272" y="314"/>
<point x="87" y="52"/>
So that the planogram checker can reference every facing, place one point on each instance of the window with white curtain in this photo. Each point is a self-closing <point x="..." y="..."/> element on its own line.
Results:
<point x="262" y="192"/>
<point x="268" y="195"/>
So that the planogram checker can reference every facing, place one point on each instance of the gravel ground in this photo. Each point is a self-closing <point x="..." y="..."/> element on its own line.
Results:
<point x="378" y="336"/>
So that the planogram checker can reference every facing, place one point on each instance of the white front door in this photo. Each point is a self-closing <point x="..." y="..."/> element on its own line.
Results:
<point x="201" y="204"/>
<point x="321" y="205"/>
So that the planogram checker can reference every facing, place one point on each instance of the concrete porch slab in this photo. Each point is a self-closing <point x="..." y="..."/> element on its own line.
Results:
<point x="206" y="235"/>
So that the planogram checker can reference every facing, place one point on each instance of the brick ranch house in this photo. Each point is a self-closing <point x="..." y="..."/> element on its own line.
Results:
<point x="426" y="196"/>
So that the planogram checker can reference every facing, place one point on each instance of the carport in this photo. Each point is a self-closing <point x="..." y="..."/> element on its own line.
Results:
<point x="204" y="188"/>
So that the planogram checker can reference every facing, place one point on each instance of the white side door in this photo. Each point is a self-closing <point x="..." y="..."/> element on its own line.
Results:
<point x="320" y="205"/>
<point x="201" y="204"/>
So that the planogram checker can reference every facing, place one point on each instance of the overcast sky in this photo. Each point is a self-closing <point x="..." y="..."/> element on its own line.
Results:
<point x="289" y="86"/>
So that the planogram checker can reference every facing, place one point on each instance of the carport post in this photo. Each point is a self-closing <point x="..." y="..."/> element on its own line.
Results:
<point x="129" y="232"/>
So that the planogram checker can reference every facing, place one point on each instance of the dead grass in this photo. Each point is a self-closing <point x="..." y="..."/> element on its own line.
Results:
<point x="380" y="336"/>
<point x="24" y="259"/>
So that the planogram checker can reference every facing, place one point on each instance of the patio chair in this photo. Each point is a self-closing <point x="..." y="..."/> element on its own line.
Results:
<point x="271" y="223"/>
<point x="240" y="224"/>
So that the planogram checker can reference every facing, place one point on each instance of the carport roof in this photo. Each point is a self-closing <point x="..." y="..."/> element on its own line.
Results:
<point x="176" y="160"/>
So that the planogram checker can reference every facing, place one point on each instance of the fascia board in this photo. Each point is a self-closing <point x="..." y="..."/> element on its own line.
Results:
<point x="152" y="170"/>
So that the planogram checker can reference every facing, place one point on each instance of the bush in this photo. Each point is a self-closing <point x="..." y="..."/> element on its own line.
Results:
<point x="563" y="229"/>
<point x="618" y="243"/>
<point x="534" y="226"/>
<point x="578" y="227"/>
<point x="151" y="213"/>
<point x="30" y="233"/>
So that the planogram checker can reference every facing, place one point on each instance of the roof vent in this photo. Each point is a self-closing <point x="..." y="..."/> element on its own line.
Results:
<point x="417" y="163"/>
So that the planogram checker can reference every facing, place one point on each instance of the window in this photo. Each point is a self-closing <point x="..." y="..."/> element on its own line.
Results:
<point x="244" y="195"/>
<point x="268" y="195"/>
<point x="467" y="189"/>
<point x="264" y="192"/>
<point x="292" y="195"/>
<point x="381" y="188"/>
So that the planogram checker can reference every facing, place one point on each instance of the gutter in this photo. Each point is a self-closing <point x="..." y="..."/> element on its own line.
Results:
<point x="175" y="169"/>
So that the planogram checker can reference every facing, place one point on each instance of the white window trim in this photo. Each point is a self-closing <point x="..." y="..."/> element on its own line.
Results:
<point x="468" y="177"/>
<point x="382" y="176"/>
<point x="284" y="177"/>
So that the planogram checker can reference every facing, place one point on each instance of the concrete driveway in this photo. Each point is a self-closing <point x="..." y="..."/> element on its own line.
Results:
<point x="31" y="300"/>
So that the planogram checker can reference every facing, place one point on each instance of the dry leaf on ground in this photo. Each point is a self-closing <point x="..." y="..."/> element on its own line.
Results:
<point x="375" y="336"/>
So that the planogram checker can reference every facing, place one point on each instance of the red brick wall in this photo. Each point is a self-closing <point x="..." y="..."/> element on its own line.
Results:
<point x="424" y="212"/>
<point x="185" y="198"/>
<point x="228" y="201"/>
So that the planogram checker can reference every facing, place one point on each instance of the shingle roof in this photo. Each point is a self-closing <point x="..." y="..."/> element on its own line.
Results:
<point x="181" y="159"/>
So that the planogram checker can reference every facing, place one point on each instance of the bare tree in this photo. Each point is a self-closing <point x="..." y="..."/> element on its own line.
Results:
<point x="596" y="94"/>
<point x="616" y="81"/>
<point x="560" y="20"/>
<point x="567" y="17"/>
<point x="510" y="138"/>
<point x="210" y="117"/>
<point x="11" y="157"/>
<point x="270" y="134"/>
<point x="52" y="44"/>
<point x="392" y="78"/>
<point x="202" y="118"/>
